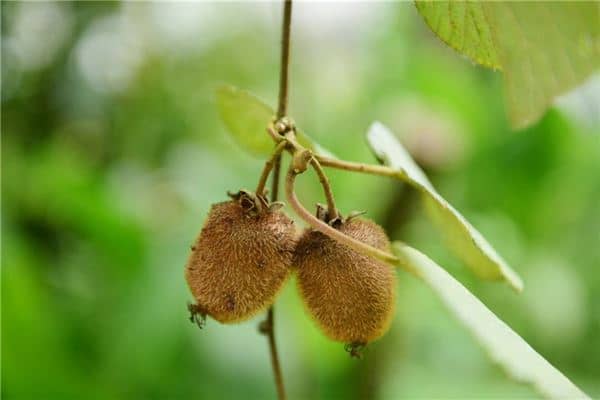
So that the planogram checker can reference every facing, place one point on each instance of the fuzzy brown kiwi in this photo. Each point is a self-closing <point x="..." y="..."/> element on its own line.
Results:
<point x="351" y="296"/>
<point x="241" y="258"/>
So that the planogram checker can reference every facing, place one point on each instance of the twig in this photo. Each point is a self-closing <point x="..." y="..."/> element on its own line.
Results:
<point x="285" y="59"/>
<point x="281" y="112"/>
<point x="270" y="321"/>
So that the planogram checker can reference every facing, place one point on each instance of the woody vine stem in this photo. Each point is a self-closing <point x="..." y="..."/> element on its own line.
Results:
<point x="283" y="132"/>
<point x="268" y="326"/>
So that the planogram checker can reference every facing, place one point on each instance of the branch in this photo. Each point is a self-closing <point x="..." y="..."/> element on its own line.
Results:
<point x="285" y="59"/>
<point x="276" y="163"/>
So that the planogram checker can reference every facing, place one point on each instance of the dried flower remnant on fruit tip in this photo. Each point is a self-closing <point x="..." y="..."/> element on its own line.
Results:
<point x="356" y="349"/>
<point x="252" y="203"/>
<point x="197" y="315"/>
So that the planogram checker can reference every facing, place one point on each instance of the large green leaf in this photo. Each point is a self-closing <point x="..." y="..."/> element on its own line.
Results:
<point x="503" y="345"/>
<point x="247" y="117"/>
<point x="462" y="237"/>
<point x="544" y="48"/>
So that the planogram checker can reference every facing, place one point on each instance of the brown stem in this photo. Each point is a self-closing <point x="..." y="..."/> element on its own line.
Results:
<point x="276" y="165"/>
<point x="272" y="163"/>
<point x="285" y="59"/>
<point x="276" y="175"/>
<point x="325" y="229"/>
<point x="359" y="167"/>
<point x="296" y="148"/>
<point x="268" y="326"/>
<point x="269" y="323"/>
<point x="270" y="332"/>
<point x="331" y="208"/>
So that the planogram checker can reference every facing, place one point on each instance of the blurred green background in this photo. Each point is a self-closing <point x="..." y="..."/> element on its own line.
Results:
<point x="112" y="153"/>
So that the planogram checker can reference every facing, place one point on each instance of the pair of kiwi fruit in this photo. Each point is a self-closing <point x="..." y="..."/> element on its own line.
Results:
<point x="248" y="248"/>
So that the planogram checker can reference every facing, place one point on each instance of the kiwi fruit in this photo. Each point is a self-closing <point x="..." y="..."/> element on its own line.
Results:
<point x="351" y="296"/>
<point x="240" y="259"/>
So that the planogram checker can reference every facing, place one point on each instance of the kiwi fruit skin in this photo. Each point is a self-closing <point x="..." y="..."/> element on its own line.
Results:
<point x="351" y="296"/>
<point x="240" y="261"/>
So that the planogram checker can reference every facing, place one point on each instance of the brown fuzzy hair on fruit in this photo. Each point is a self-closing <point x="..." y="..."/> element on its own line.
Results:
<point x="351" y="296"/>
<point x="241" y="258"/>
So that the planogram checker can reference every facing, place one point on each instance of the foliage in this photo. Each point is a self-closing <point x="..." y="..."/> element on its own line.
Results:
<point x="542" y="48"/>
<point x="468" y="244"/>
<point x="504" y="346"/>
<point x="246" y="117"/>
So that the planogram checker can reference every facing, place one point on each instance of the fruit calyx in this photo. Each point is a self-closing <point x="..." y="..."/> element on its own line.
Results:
<point x="355" y="349"/>
<point x="323" y="215"/>
<point x="197" y="315"/>
<point x="254" y="204"/>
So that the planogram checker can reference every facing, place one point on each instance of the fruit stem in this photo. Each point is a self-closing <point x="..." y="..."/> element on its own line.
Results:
<point x="272" y="162"/>
<point x="332" y="211"/>
<point x="275" y="178"/>
<point x="294" y="147"/>
<point x="325" y="229"/>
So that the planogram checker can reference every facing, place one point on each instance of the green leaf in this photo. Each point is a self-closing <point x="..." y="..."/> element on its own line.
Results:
<point x="543" y="48"/>
<point x="503" y="345"/>
<point x="474" y="40"/>
<point x="247" y="117"/>
<point x="467" y="243"/>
